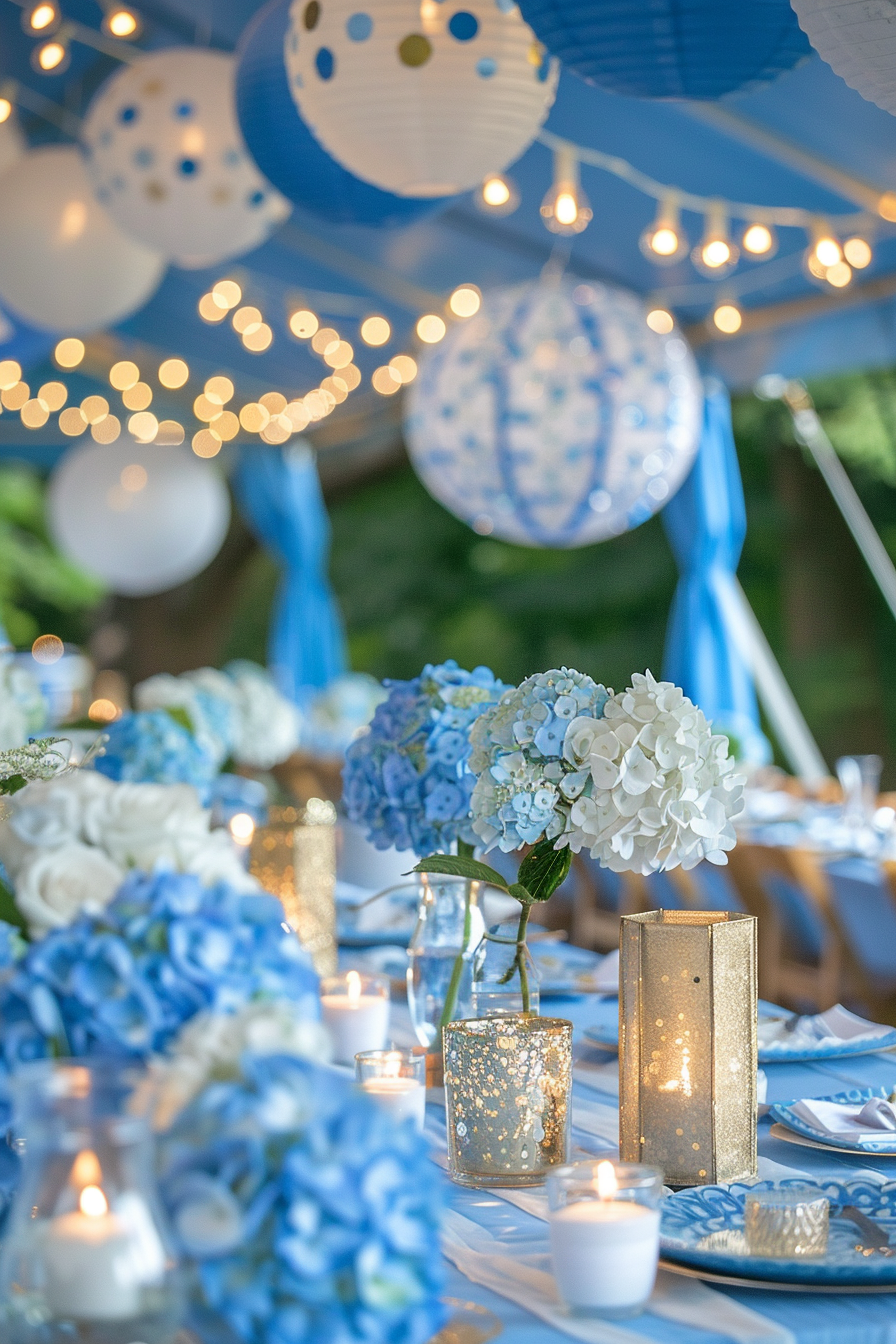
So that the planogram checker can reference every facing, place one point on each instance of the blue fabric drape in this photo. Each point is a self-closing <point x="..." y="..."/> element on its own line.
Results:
<point x="279" y="493"/>
<point x="706" y="523"/>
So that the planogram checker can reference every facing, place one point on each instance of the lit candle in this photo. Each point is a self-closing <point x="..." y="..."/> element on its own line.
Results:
<point x="355" y="1011"/>
<point x="604" y="1249"/>
<point x="92" y="1264"/>
<point x="396" y="1079"/>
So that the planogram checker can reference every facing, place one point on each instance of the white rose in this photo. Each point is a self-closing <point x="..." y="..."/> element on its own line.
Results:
<point x="268" y="725"/>
<point x="57" y="885"/>
<point x="213" y="858"/>
<point x="48" y="813"/>
<point x="138" y="824"/>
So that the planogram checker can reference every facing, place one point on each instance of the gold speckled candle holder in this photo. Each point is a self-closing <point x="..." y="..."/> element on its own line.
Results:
<point x="294" y="857"/>
<point x="508" y="1087"/>
<point x="687" y="1044"/>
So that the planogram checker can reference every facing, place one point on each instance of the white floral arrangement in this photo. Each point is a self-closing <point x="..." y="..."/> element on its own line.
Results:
<point x="67" y="843"/>
<point x="237" y="713"/>
<point x="23" y="709"/>
<point x="637" y="778"/>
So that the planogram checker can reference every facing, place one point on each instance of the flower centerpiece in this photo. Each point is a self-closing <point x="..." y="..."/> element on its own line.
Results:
<point x="407" y="779"/>
<point x="302" y="1210"/>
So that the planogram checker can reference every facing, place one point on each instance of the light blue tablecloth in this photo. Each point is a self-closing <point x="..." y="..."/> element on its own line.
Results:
<point x="813" y="1318"/>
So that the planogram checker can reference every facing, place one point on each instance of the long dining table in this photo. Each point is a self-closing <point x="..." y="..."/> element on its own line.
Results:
<point x="521" y="1235"/>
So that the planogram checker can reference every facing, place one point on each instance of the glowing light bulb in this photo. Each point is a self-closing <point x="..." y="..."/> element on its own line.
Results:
<point x="758" y="240"/>
<point x="465" y="301"/>
<point x="497" y="196"/>
<point x="431" y="328"/>
<point x="728" y="318"/>
<point x="121" y="22"/>
<point x="242" y="828"/>
<point x="86" y="1169"/>
<point x="839" y="275"/>
<point x="665" y="242"/>
<point x="662" y="242"/>
<point x="565" y="209"/>
<point x="827" y="251"/>
<point x="41" y="18"/>
<point x="93" y="1202"/>
<point x="304" y="324"/>
<point x="5" y="110"/>
<point x="392" y="1065"/>
<point x="173" y="373"/>
<point x="858" y="253"/>
<point x="227" y="294"/>
<point x="660" y="320"/>
<point x="51" y="56"/>
<point x="886" y="206"/>
<point x="375" y="331"/>
<point x="716" y="253"/>
<point x="68" y="353"/>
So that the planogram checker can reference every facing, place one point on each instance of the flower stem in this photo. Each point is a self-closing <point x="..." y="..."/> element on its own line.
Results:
<point x="521" y="956"/>
<point x="464" y="851"/>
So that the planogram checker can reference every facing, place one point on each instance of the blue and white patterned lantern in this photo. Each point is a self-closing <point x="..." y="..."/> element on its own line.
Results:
<point x="555" y="417"/>
<point x="420" y="97"/>
<point x="167" y="160"/>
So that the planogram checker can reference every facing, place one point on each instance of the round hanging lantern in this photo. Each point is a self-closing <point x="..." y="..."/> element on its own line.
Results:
<point x="142" y="519"/>
<point x="285" y="150"/>
<point x="667" y="49"/>
<point x="555" y="417"/>
<point x="858" y="42"/>
<point x="167" y="160"/>
<point x="64" y="263"/>
<point x="420" y="99"/>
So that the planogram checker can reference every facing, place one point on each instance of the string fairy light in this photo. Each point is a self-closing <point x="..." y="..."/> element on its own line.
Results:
<point x="565" y="208"/>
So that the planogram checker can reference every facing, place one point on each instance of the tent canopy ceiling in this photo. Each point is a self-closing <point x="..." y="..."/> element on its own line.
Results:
<point x="806" y="140"/>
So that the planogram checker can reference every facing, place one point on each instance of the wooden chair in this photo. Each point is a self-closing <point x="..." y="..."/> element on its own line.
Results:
<point x="600" y="898"/>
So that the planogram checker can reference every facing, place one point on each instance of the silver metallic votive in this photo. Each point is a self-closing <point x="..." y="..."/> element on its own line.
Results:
<point x="508" y="1086"/>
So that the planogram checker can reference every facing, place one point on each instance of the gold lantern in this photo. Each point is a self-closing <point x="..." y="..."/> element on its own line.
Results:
<point x="294" y="857"/>
<point x="687" y="1044"/>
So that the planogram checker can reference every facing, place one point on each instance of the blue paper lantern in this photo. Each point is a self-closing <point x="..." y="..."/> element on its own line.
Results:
<point x="555" y="417"/>
<point x="670" y="48"/>
<point x="284" y="148"/>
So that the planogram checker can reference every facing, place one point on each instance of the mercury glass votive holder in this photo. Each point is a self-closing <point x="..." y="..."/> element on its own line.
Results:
<point x="787" y="1224"/>
<point x="294" y="857"/>
<point x="687" y="1044"/>
<point x="508" y="1084"/>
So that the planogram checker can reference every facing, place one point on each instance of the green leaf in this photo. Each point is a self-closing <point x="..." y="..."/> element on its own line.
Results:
<point x="180" y="715"/>
<point x="455" y="865"/>
<point x="12" y="784"/>
<point x="520" y="893"/>
<point x="9" y="911"/>
<point x="542" y="870"/>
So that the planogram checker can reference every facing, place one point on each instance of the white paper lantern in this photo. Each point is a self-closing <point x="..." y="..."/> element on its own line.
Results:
<point x="64" y="263"/>
<point x="555" y="417"/>
<point x="167" y="159"/>
<point x="858" y="41"/>
<point x="140" y="531"/>
<point x="421" y="99"/>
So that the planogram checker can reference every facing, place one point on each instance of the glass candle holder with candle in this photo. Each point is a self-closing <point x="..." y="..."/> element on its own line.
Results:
<point x="605" y="1236"/>
<point x="87" y="1253"/>
<point x="294" y="856"/>
<point x="355" y="1011"/>
<point x="396" y="1080"/>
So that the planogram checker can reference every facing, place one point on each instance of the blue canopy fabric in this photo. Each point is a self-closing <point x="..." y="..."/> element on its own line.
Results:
<point x="706" y="523"/>
<point x="278" y="491"/>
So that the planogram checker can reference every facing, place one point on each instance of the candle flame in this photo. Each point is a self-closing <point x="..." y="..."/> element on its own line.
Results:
<point x="86" y="1169"/>
<point x="93" y="1202"/>
<point x="683" y="1083"/>
<point x="242" y="828"/>
<point x="392" y="1065"/>
<point x="607" y="1185"/>
<point x="353" y="985"/>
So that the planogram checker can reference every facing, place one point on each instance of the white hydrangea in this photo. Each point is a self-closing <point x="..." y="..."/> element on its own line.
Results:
<point x="268" y="725"/>
<point x="662" y="791"/>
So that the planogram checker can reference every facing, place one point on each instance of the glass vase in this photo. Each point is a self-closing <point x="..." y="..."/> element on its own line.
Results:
<point x="508" y="1083"/>
<point x="449" y="926"/>
<point x="501" y="967"/>
<point x="87" y="1255"/>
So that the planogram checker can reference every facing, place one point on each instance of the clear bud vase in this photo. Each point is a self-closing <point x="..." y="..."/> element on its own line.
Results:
<point x="86" y="1256"/>
<point x="506" y="979"/>
<point x="449" y="927"/>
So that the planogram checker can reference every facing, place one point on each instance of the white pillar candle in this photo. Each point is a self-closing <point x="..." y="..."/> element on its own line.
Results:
<point x="89" y="1259"/>
<point x="605" y="1254"/>
<point x="403" y="1098"/>
<point x="356" y="1021"/>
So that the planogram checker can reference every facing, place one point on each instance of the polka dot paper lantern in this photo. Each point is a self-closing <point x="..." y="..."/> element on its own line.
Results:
<point x="858" y="42"/>
<point x="285" y="150"/>
<point x="138" y="541"/>
<point x="167" y="160"/>
<point x="65" y="265"/>
<point x="420" y="97"/>
<point x="555" y="417"/>
<point x="670" y="48"/>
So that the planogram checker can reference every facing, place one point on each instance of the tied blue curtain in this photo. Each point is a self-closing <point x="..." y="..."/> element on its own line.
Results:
<point x="706" y="523"/>
<point x="279" y="493"/>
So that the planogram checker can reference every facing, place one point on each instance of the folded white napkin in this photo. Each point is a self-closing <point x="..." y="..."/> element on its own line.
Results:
<point x="859" y="1122"/>
<point x="837" y="1024"/>
<point x="521" y="1271"/>
<point x="606" y="977"/>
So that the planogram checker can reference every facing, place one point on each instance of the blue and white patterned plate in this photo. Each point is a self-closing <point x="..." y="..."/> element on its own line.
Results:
<point x="885" y="1144"/>
<point x="781" y="1051"/>
<point x="705" y="1227"/>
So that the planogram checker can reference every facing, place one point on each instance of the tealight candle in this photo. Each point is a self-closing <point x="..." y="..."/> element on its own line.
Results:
<point x="89" y="1259"/>
<point x="396" y="1080"/>
<point x="786" y="1224"/>
<point x="355" y="1011"/>
<point x="605" y="1236"/>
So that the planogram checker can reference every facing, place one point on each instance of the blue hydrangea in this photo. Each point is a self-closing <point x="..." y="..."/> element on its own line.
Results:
<point x="406" y="780"/>
<point x="306" y="1212"/>
<point x="527" y="772"/>
<point x="166" y="948"/>
<point x="151" y="747"/>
